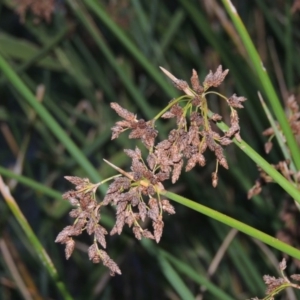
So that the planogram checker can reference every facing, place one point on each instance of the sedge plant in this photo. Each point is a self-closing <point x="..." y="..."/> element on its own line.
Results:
<point x="138" y="194"/>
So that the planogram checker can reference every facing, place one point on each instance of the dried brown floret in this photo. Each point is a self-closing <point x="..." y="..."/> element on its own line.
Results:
<point x="70" y="245"/>
<point x="209" y="140"/>
<point x="147" y="234"/>
<point x="162" y="176"/>
<point x="71" y="196"/>
<point x="142" y="210"/>
<point x="140" y="128"/>
<point x="220" y="156"/>
<point x="122" y="112"/>
<point x="234" y="121"/>
<point x="120" y="183"/>
<point x="64" y="235"/>
<point x="116" y="131"/>
<point x="196" y="83"/>
<point x="224" y="141"/>
<point x="74" y="213"/>
<point x="150" y="190"/>
<point x="193" y="136"/>
<point x="292" y="103"/>
<point x="282" y="264"/>
<point x="120" y="222"/>
<point x="93" y="251"/>
<point x="87" y="201"/>
<point x="168" y="115"/>
<point x="129" y="218"/>
<point x="158" y="226"/>
<point x="180" y="84"/>
<point x="235" y="101"/>
<point x="144" y="131"/>
<point x="151" y="160"/>
<point x="153" y="212"/>
<point x="196" y="119"/>
<point x="216" y="136"/>
<point x="273" y="283"/>
<point x="90" y="226"/>
<point x="79" y="226"/>
<point x="216" y="117"/>
<point x="214" y="178"/>
<point x="293" y="115"/>
<point x="177" y="111"/>
<point x="108" y="262"/>
<point x="215" y="79"/>
<point x="175" y="155"/>
<point x="167" y="207"/>
<point x="196" y="158"/>
<point x="255" y="190"/>
<point x="137" y="232"/>
<point x="79" y="182"/>
<point x="134" y="154"/>
<point x="203" y="146"/>
<point x="100" y="233"/>
<point x="177" y="167"/>
<point x="296" y="277"/>
<point x="43" y="9"/>
<point x="268" y="132"/>
<point x="190" y="150"/>
<point x="196" y="101"/>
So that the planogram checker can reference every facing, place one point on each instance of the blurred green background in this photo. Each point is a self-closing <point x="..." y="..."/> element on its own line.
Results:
<point x="77" y="56"/>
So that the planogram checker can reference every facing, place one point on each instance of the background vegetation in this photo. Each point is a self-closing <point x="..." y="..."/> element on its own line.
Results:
<point x="77" y="57"/>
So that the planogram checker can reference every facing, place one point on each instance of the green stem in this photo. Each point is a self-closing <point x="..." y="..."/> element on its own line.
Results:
<point x="267" y="239"/>
<point x="269" y="169"/>
<point x="61" y="135"/>
<point x="177" y="100"/>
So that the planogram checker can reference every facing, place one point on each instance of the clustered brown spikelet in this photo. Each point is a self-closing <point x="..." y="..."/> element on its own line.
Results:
<point x="136" y="194"/>
<point x="137" y="197"/>
<point x="276" y="285"/>
<point x="293" y="115"/>
<point x="87" y="216"/>
<point x="43" y="9"/>
<point x="284" y="167"/>
<point x="193" y="134"/>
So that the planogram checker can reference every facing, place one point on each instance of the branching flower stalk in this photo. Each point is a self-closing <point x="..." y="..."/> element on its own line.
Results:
<point x="136" y="194"/>
<point x="277" y="285"/>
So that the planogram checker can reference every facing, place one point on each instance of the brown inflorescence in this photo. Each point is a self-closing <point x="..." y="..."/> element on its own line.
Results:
<point x="193" y="134"/>
<point x="42" y="9"/>
<point x="87" y="216"/>
<point x="276" y="285"/>
<point x="293" y="116"/>
<point x="136" y="195"/>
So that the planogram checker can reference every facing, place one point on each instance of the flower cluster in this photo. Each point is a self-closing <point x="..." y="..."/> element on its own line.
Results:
<point x="282" y="167"/>
<point x="276" y="285"/>
<point x="87" y="217"/>
<point x="137" y="197"/>
<point x="42" y="9"/>
<point x="293" y="115"/>
<point x="137" y="194"/>
<point x="285" y="166"/>
<point x="193" y="134"/>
